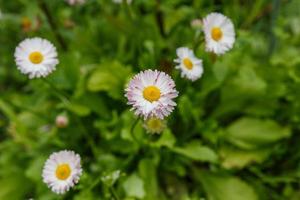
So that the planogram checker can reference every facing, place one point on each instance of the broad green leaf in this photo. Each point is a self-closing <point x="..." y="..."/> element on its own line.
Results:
<point x="134" y="186"/>
<point x="251" y="133"/>
<point x="147" y="171"/>
<point x="79" y="109"/>
<point x="166" y="139"/>
<point x="185" y="108"/>
<point x="109" y="77"/>
<point x="224" y="187"/>
<point x="196" y="151"/>
<point x="236" y="158"/>
<point x="13" y="187"/>
<point x="33" y="172"/>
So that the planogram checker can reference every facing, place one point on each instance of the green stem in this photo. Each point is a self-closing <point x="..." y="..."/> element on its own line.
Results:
<point x="88" y="137"/>
<point x="60" y="94"/>
<point x="198" y="41"/>
<point x="160" y="19"/>
<point x="43" y="6"/>
<point x="127" y="10"/>
<point x="96" y="182"/>
<point x="114" y="193"/>
<point x="132" y="130"/>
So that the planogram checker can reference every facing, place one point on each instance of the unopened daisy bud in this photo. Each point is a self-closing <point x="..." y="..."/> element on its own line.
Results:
<point x="36" y="57"/>
<point x="219" y="33"/>
<point x="196" y="23"/>
<point x="26" y="24"/>
<point x="62" y="171"/>
<point x="62" y="121"/>
<point x="74" y="2"/>
<point x="151" y="94"/>
<point x="154" y="125"/>
<point x="190" y="66"/>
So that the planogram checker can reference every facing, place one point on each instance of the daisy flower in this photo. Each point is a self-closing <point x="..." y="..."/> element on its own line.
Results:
<point x="36" y="57"/>
<point x="154" y="125"/>
<point x="151" y="94"/>
<point x="62" y="171"/>
<point x="219" y="33"/>
<point x="73" y="2"/>
<point x="190" y="66"/>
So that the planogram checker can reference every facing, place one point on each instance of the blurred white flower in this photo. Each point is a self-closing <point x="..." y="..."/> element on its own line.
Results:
<point x="190" y="66"/>
<point x="219" y="33"/>
<point x="151" y="94"/>
<point x="120" y="1"/>
<point x="61" y="121"/>
<point x="74" y="2"/>
<point x="62" y="171"/>
<point x="36" y="57"/>
<point x="154" y="125"/>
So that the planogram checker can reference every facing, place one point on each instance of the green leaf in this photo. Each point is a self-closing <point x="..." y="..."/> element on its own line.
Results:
<point x="236" y="158"/>
<point x="110" y="179"/>
<point x="111" y="78"/>
<point x="147" y="171"/>
<point x="196" y="151"/>
<point x="251" y="133"/>
<point x="185" y="108"/>
<point x="134" y="186"/>
<point x="33" y="172"/>
<point x="14" y="187"/>
<point x="224" y="187"/>
<point x="167" y="139"/>
<point x="79" y="109"/>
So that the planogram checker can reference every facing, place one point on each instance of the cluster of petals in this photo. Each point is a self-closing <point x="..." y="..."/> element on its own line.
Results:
<point x="71" y="162"/>
<point x="159" y="108"/>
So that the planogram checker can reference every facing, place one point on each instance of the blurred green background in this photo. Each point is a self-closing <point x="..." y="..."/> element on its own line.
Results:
<point x="233" y="136"/>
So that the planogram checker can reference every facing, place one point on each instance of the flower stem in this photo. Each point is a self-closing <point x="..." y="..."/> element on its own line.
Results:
<point x="114" y="193"/>
<point x="52" y="24"/>
<point x="60" y="94"/>
<point x="160" y="19"/>
<point x="132" y="130"/>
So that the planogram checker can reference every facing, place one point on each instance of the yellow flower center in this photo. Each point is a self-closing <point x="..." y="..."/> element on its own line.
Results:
<point x="36" y="57"/>
<point x="151" y="93"/>
<point x="63" y="171"/>
<point x="188" y="63"/>
<point x="216" y="33"/>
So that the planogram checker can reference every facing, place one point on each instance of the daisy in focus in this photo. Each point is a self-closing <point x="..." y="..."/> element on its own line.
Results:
<point x="62" y="171"/>
<point x="151" y="94"/>
<point x="190" y="66"/>
<point x="219" y="33"/>
<point x="36" y="57"/>
<point x="154" y="125"/>
<point x="74" y="2"/>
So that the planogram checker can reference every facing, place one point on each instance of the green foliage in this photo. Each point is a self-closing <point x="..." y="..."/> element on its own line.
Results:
<point x="233" y="135"/>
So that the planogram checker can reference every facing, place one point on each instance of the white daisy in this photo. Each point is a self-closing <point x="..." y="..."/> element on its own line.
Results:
<point x="62" y="171"/>
<point x="120" y="1"/>
<point x="154" y="125"/>
<point x="219" y="33"/>
<point x="190" y="66"/>
<point x="151" y="94"/>
<point x="36" y="57"/>
<point x="73" y="2"/>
